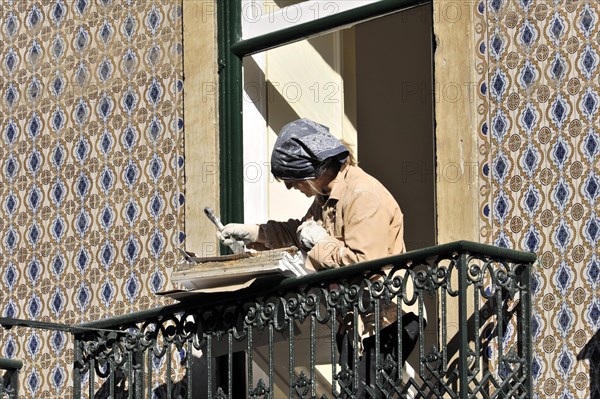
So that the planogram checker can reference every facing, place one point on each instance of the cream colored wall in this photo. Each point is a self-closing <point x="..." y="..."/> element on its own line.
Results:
<point x="306" y="83"/>
<point x="456" y="117"/>
<point x="201" y="126"/>
<point x="348" y="73"/>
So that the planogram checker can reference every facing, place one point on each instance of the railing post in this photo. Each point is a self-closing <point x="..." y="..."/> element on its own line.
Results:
<point x="463" y="331"/>
<point x="188" y="370"/>
<point x="9" y="380"/>
<point x="14" y="384"/>
<point x="525" y="323"/>
<point x="138" y="369"/>
<point x="77" y="368"/>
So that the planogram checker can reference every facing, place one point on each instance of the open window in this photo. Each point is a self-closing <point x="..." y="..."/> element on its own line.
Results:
<point x="370" y="82"/>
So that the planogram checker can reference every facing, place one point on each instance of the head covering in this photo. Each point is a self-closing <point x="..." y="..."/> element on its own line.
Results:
<point x="300" y="147"/>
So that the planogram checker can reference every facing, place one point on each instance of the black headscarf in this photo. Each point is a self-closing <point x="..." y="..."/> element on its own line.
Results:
<point x="301" y="147"/>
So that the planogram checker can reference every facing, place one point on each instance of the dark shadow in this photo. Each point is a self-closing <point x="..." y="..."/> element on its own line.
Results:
<point x="179" y="389"/>
<point x="9" y="383"/>
<point x="285" y="3"/>
<point x="591" y="353"/>
<point x="487" y="335"/>
<point x="119" y="387"/>
<point x="285" y="113"/>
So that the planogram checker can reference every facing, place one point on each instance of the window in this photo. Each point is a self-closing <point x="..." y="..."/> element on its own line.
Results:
<point x="365" y="71"/>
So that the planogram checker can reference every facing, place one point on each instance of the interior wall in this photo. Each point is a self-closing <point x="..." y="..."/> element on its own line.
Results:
<point x="395" y="114"/>
<point x="303" y="80"/>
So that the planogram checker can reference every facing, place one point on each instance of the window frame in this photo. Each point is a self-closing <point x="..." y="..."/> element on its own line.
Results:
<point x="232" y="48"/>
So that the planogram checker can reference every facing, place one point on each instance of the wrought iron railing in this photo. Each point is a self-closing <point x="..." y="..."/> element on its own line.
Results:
<point x="280" y="338"/>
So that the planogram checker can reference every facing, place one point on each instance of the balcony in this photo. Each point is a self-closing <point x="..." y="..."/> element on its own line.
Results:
<point x="278" y="337"/>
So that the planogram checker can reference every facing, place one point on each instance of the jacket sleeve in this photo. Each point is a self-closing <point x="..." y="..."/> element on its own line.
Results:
<point x="280" y="234"/>
<point x="366" y="223"/>
<point x="283" y="234"/>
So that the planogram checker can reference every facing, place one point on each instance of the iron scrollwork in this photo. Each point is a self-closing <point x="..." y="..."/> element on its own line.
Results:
<point x="488" y="292"/>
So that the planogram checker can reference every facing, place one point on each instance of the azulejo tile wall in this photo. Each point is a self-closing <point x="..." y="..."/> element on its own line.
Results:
<point x="540" y="146"/>
<point x="91" y="174"/>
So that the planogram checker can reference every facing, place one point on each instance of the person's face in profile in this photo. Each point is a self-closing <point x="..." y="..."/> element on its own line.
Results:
<point x="301" y="185"/>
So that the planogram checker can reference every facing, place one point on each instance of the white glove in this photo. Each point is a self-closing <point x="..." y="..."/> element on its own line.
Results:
<point x="294" y="263"/>
<point x="234" y="232"/>
<point x="310" y="233"/>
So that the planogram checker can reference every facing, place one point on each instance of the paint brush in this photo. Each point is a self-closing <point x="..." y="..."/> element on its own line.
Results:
<point x="237" y="247"/>
<point x="212" y="216"/>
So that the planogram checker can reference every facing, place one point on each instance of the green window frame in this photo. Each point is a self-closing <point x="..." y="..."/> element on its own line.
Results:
<point x="232" y="49"/>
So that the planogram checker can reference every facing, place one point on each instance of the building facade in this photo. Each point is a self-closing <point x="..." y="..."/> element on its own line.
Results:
<point x="112" y="126"/>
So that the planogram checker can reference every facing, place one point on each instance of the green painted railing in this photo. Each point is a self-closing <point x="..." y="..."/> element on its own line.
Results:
<point x="279" y="338"/>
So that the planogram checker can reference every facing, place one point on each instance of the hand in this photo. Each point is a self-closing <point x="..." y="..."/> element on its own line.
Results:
<point x="234" y="232"/>
<point x="310" y="233"/>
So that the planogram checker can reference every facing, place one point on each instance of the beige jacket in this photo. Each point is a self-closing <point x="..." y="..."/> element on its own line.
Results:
<point x="364" y="222"/>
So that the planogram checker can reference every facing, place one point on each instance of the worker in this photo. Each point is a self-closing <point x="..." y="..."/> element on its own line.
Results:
<point x="353" y="218"/>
